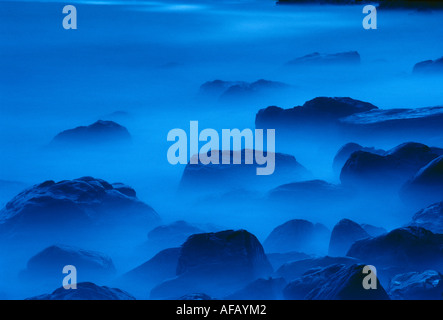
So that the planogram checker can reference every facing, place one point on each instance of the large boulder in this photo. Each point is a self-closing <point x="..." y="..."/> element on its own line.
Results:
<point x="336" y="282"/>
<point x="86" y="291"/>
<point x="429" y="67"/>
<point x="392" y="169"/>
<point x="319" y="59"/>
<point x="426" y="285"/>
<point x="217" y="264"/>
<point x="426" y="187"/>
<point x="347" y="150"/>
<point x="47" y="265"/>
<point x="430" y="218"/>
<point x="69" y="206"/>
<point x="404" y="249"/>
<point x="101" y="132"/>
<point x="295" y="269"/>
<point x="204" y="178"/>
<point x="297" y="235"/>
<point x="344" y="234"/>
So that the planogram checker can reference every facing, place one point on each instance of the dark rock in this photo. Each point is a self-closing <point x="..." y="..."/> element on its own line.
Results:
<point x="216" y="263"/>
<point x="293" y="270"/>
<point x="429" y="67"/>
<point x="373" y="231"/>
<point x="336" y="282"/>
<point x="78" y="204"/>
<point x="393" y="169"/>
<point x="426" y="187"/>
<point x="408" y="249"/>
<point x="430" y="218"/>
<point x="297" y="235"/>
<point x="350" y="57"/>
<point x="260" y="289"/>
<point x="426" y="285"/>
<point x="100" y="132"/>
<point x="347" y="150"/>
<point x="344" y="234"/>
<point x="279" y="259"/>
<point x="206" y="178"/>
<point x="48" y="264"/>
<point x="86" y="291"/>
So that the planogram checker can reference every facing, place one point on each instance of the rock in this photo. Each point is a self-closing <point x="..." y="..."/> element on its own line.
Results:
<point x="407" y="249"/>
<point x="173" y="234"/>
<point x="217" y="264"/>
<point x="336" y="282"/>
<point x="86" y="291"/>
<point x="279" y="259"/>
<point x="311" y="191"/>
<point x="293" y="270"/>
<point x="429" y="67"/>
<point x="426" y="285"/>
<point x="143" y="278"/>
<point x="347" y="150"/>
<point x="382" y="4"/>
<point x="228" y="90"/>
<point x="426" y="187"/>
<point x="221" y="177"/>
<point x="344" y="234"/>
<point x="100" y="132"/>
<point x="196" y="296"/>
<point x="260" y="289"/>
<point x="79" y="204"/>
<point x="373" y="231"/>
<point x="394" y="168"/>
<point x="48" y="264"/>
<point x="329" y="123"/>
<point x="430" y="218"/>
<point x="350" y="57"/>
<point x="297" y="235"/>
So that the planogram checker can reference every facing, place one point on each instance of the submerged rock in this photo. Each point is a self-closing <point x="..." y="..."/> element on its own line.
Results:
<point x="392" y="169"/>
<point x="430" y="218"/>
<point x="426" y="186"/>
<point x="295" y="269"/>
<point x="260" y="289"/>
<point x="347" y="150"/>
<point x="48" y="264"/>
<point x="336" y="282"/>
<point x="100" y="132"/>
<point x="407" y="249"/>
<point x="350" y="57"/>
<point x="217" y="264"/>
<point x="206" y="178"/>
<point x="78" y="204"/>
<point x="426" y="285"/>
<point x="344" y="234"/>
<point x="228" y="90"/>
<point x="429" y="67"/>
<point x="86" y="291"/>
<point x="297" y="235"/>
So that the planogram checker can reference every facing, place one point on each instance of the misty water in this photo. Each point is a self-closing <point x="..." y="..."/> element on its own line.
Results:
<point x="148" y="59"/>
